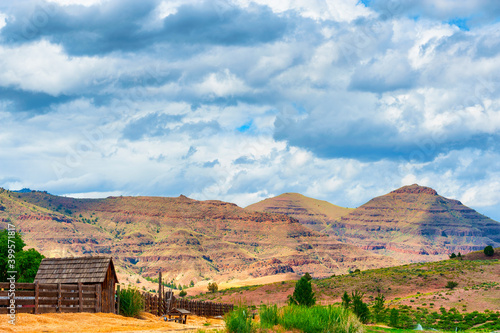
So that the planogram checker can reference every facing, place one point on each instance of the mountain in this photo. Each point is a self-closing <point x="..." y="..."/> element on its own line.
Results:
<point x="316" y="214"/>
<point x="185" y="238"/>
<point x="414" y="223"/>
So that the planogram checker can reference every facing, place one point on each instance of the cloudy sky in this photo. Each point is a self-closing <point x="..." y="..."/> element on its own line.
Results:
<point x="239" y="100"/>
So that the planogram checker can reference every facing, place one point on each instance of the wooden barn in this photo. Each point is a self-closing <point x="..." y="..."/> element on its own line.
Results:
<point x="85" y="270"/>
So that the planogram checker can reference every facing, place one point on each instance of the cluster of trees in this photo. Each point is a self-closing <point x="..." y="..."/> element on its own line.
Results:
<point x="26" y="262"/>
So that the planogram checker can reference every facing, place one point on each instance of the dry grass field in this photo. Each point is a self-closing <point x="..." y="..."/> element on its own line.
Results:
<point x="103" y="322"/>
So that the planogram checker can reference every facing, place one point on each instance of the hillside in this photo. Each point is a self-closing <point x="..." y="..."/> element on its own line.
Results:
<point x="185" y="238"/>
<point x="414" y="223"/>
<point x="316" y="214"/>
<point x="419" y="285"/>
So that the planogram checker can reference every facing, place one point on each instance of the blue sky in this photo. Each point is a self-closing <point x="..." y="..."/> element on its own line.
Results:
<point x="240" y="100"/>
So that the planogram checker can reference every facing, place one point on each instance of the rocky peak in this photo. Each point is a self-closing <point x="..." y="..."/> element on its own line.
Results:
<point x="415" y="189"/>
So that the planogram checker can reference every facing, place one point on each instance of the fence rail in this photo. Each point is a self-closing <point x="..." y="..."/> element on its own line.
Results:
<point x="54" y="297"/>
<point x="152" y="304"/>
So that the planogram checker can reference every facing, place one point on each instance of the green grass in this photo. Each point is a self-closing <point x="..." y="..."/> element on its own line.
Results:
<point x="239" y="321"/>
<point x="318" y="319"/>
<point x="315" y="319"/>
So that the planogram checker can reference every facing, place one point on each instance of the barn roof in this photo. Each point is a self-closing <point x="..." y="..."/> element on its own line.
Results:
<point x="74" y="270"/>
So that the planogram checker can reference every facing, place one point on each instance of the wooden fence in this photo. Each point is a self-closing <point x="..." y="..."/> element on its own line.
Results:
<point x="54" y="297"/>
<point x="164" y="301"/>
<point x="154" y="305"/>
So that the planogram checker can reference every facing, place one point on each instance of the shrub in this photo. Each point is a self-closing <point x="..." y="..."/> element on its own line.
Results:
<point x="239" y="321"/>
<point x="213" y="287"/>
<point x="183" y="293"/>
<point x="131" y="302"/>
<point x="303" y="294"/>
<point x="488" y="251"/>
<point x="451" y="285"/>
<point x="453" y="255"/>
<point x="268" y="316"/>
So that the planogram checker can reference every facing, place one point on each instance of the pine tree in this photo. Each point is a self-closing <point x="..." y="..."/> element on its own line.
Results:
<point x="359" y="307"/>
<point x="303" y="294"/>
<point x="378" y="308"/>
<point x="346" y="300"/>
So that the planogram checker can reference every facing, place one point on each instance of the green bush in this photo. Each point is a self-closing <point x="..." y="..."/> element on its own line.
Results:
<point x="239" y="321"/>
<point x="183" y="293"/>
<point x="268" y="316"/>
<point x="451" y="285"/>
<point x="488" y="251"/>
<point x="131" y="302"/>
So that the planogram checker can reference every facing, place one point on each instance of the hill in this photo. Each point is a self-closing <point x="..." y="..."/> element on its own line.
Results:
<point x="188" y="240"/>
<point x="415" y="224"/>
<point x="316" y="214"/>
<point x="418" y="285"/>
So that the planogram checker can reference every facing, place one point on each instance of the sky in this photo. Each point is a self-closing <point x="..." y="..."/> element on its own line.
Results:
<point x="241" y="100"/>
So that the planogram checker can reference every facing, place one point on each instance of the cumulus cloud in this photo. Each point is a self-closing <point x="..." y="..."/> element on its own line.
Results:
<point x="241" y="100"/>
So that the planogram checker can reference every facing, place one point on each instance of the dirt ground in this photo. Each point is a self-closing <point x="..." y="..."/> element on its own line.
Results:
<point x="103" y="322"/>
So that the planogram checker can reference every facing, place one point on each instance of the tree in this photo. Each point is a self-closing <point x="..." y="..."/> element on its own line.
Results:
<point x="488" y="251"/>
<point x="346" y="300"/>
<point x="183" y="293"/>
<point x="303" y="294"/>
<point x="453" y="255"/>
<point x="359" y="307"/>
<point x="378" y="308"/>
<point x="213" y="287"/>
<point x="394" y="318"/>
<point x="16" y="245"/>
<point x="26" y="262"/>
<point x="451" y="285"/>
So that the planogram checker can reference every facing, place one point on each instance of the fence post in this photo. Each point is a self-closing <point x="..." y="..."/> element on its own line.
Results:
<point x="97" y="298"/>
<point x="37" y="292"/>
<point x="118" y="299"/>
<point x="80" y="297"/>
<point x="59" y="297"/>
<point x="159" y="293"/>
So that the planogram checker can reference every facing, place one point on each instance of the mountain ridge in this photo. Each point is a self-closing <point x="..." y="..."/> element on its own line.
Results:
<point x="185" y="238"/>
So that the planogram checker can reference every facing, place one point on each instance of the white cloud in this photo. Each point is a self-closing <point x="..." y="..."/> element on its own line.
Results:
<point x="78" y="2"/>
<point x="339" y="10"/>
<point x="223" y="83"/>
<point x="44" y="67"/>
<point x="3" y="17"/>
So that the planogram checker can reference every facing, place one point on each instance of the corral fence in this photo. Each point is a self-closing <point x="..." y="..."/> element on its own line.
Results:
<point x="162" y="305"/>
<point x="50" y="297"/>
<point x="165" y="301"/>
